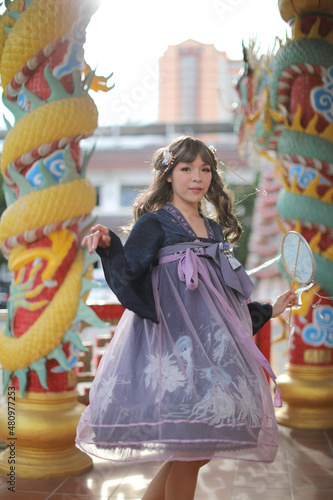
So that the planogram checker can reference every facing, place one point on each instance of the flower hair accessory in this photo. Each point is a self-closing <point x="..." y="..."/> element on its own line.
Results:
<point x="213" y="150"/>
<point x="168" y="159"/>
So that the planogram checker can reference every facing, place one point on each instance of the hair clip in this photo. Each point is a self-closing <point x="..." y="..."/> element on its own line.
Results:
<point x="218" y="161"/>
<point x="213" y="150"/>
<point x="168" y="159"/>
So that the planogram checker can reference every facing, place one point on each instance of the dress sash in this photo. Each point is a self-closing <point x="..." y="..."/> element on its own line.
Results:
<point x="233" y="273"/>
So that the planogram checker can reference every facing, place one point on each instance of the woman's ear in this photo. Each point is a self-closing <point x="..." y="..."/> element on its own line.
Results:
<point x="169" y="178"/>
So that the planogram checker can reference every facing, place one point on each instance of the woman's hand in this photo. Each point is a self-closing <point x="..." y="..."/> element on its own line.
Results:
<point x="99" y="237"/>
<point x="287" y="299"/>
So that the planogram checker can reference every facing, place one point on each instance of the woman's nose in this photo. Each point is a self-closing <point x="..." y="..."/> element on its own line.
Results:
<point x="196" y="177"/>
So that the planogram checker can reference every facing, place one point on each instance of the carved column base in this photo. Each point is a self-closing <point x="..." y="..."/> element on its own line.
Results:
<point x="42" y="442"/>
<point x="308" y="394"/>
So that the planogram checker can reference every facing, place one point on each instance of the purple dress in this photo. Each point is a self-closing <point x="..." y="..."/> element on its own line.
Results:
<point x="191" y="386"/>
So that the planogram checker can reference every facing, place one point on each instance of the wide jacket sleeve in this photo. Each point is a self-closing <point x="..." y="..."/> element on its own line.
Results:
<point x="260" y="314"/>
<point x="127" y="268"/>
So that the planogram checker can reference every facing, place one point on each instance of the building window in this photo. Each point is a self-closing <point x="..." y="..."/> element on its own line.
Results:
<point x="189" y="86"/>
<point x="129" y="193"/>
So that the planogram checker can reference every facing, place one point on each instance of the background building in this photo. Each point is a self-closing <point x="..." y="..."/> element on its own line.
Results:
<point x="197" y="84"/>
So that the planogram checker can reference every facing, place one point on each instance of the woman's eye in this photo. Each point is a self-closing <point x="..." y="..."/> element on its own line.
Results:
<point x="207" y="169"/>
<point x="185" y="169"/>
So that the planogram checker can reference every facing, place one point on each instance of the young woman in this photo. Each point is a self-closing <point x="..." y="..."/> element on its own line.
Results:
<point x="182" y="380"/>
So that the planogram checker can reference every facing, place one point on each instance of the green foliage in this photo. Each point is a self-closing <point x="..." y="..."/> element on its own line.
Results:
<point x="244" y="203"/>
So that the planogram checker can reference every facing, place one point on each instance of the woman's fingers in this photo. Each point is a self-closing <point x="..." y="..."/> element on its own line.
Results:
<point x="291" y="297"/>
<point x="106" y="239"/>
<point x="98" y="237"/>
<point x="90" y="239"/>
<point x="94" y="241"/>
<point x="99" y="227"/>
<point x="84" y="241"/>
<point x="286" y="299"/>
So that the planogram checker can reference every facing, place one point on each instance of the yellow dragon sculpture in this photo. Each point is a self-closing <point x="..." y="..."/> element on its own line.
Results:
<point x="48" y="197"/>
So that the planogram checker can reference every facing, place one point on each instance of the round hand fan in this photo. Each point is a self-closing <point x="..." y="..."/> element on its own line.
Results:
<point x="297" y="258"/>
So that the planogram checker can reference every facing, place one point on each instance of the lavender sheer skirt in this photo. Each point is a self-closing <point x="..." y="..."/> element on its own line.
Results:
<point x="191" y="387"/>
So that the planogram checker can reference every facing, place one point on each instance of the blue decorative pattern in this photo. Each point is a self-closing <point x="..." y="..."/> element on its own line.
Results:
<point x="320" y="332"/>
<point x="54" y="163"/>
<point x="322" y="97"/>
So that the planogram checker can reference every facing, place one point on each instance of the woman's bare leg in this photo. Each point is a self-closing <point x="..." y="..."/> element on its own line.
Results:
<point x="156" y="489"/>
<point x="182" y="480"/>
<point x="175" y="481"/>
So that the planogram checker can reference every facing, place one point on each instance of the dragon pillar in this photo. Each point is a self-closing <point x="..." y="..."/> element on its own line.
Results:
<point x="49" y="201"/>
<point x="302" y="91"/>
<point x="286" y="109"/>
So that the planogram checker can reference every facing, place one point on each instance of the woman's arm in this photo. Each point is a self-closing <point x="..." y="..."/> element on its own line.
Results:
<point x="127" y="268"/>
<point x="99" y="236"/>
<point x="261" y="313"/>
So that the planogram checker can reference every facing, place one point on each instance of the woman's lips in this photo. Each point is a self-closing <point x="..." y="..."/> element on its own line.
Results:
<point x="196" y="190"/>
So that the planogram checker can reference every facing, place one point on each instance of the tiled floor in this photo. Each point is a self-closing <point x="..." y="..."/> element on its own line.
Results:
<point x="303" y="470"/>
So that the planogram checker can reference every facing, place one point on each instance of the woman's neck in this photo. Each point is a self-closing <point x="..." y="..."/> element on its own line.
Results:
<point x="189" y="210"/>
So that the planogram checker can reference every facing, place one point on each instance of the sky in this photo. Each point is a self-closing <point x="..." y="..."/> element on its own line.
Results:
<point x="127" y="38"/>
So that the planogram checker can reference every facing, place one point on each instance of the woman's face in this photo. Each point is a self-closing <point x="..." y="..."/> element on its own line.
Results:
<point x="190" y="181"/>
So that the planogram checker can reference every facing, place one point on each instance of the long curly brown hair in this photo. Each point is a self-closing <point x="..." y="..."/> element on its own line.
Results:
<point x="186" y="149"/>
